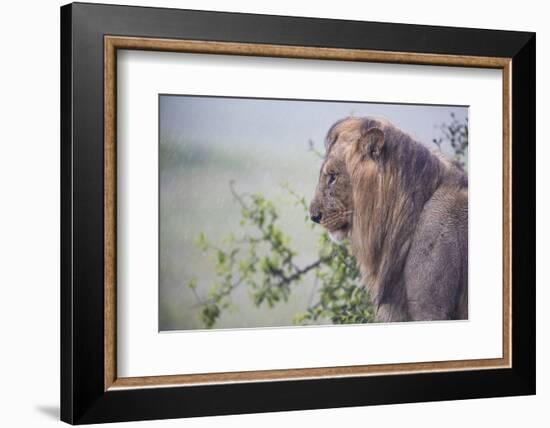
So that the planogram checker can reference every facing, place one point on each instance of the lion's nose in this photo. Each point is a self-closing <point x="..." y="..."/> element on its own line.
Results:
<point x="316" y="217"/>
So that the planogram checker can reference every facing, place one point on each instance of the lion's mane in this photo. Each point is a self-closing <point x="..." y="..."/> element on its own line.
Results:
<point x="411" y="195"/>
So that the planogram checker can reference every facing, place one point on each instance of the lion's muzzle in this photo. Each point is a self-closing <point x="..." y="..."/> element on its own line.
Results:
<point x="315" y="213"/>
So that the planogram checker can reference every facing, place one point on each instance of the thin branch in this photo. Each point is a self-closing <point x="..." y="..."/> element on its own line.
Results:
<point x="222" y="294"/>
<point x="199" y="299"/>
<point x="238" y="197"/>
<point x="313" y="149"/>
<point x="288" y="279"/>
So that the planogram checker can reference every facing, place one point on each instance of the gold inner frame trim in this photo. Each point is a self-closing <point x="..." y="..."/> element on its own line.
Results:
<point x="113" y="43"/>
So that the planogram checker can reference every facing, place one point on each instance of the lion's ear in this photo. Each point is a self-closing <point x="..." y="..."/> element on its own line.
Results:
<point x="371" y="143"/>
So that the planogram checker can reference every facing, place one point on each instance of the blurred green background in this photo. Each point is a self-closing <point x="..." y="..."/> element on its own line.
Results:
<point x="206" y="142"/>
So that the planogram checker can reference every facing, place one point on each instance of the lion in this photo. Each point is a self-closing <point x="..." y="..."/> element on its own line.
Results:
<point x="404" y="210"/>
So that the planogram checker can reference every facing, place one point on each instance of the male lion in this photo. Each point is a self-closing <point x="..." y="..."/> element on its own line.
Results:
<point x="404" y="210"/>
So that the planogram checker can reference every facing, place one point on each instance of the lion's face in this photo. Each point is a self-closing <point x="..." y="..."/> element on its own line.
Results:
<point x="350" y="142"/>
<point x="332" y="205"/>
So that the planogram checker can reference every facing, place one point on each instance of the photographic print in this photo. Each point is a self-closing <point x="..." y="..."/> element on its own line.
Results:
<point x="283" y="212"/>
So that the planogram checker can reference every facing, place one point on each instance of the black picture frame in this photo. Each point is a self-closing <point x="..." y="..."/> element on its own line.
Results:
<point x="83" y="397"/>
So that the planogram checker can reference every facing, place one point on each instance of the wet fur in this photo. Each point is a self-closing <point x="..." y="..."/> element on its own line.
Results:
<point x="404" y="209"/>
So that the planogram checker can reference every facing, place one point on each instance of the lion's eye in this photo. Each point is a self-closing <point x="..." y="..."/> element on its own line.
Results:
<point x="331" y="178"/>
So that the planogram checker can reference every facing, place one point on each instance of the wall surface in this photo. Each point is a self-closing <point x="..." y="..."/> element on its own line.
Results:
<point x="29" y="218"/>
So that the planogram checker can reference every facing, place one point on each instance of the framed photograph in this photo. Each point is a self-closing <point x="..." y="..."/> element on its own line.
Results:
<point x="265" y="213"/>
